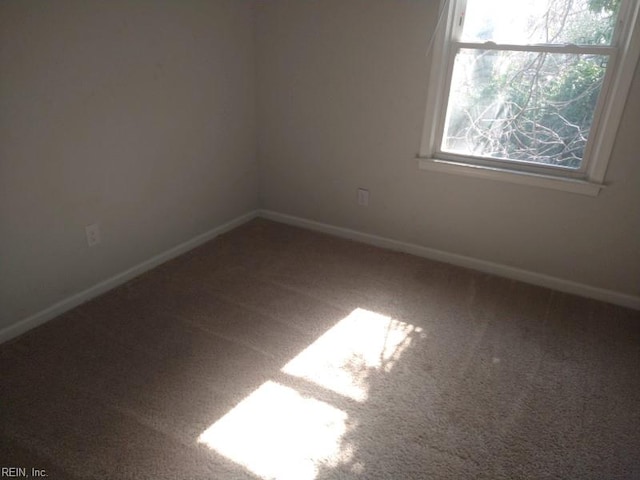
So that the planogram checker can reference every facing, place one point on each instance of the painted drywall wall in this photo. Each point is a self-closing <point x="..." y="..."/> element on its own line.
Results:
<point x="341" y="94"/>
<point x="137" y="115"/>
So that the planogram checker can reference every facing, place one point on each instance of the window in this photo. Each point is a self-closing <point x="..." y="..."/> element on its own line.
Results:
<point x="529" y="91"/>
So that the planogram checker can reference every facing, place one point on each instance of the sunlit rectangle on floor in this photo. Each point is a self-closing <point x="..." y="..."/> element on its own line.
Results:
<point x="343" y="359"/>
<point x="279" y="434"/>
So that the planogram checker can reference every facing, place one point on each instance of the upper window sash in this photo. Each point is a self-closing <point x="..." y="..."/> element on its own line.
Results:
<point x="474" y="22"/>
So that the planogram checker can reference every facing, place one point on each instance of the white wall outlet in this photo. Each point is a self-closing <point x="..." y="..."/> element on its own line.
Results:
<point x="93" y="234"/>
<point x="363" y="197"/>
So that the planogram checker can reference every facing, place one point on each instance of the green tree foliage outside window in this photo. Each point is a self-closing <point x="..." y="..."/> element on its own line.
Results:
<point x="533" y="106"/>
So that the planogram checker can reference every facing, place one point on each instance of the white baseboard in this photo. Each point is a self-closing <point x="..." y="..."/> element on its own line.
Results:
<point x="513" y="273"/>
<point x="68" y="303"/>
<point x="534" y="278"/>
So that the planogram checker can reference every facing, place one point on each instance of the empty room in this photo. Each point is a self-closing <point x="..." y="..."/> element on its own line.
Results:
<point x="319" y="239"/>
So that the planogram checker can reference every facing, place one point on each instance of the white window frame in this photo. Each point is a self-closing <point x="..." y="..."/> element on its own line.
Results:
<point x="589" y="179"/>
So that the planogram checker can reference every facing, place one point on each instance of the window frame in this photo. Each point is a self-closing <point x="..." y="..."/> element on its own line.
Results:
<point x="589" y="178"/>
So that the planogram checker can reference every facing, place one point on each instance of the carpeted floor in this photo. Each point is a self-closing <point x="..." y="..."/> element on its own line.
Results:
<point x="274" y="352"/>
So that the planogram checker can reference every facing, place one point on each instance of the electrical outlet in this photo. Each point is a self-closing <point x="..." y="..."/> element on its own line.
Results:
<point x="363" y="197"/>
<point x="93" y="234"/>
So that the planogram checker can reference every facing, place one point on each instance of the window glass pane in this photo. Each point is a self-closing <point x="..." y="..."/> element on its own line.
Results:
<point x="582" y="22"/>
<point x="523" y="106"/>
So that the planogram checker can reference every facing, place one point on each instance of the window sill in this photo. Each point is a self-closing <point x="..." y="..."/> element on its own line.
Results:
<point x="572" y="185"/>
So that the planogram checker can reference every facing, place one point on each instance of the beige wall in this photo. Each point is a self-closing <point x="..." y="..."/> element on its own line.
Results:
<point x="139" y="115"/>
<point x="341" y="94"/>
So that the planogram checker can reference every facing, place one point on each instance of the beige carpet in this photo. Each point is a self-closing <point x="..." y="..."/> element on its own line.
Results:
<point x="274" y="352"/>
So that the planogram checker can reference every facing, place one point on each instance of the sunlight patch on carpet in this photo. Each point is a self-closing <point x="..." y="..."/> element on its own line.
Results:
<point x="342" y="360"/>
<point x="277" y="433"/>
